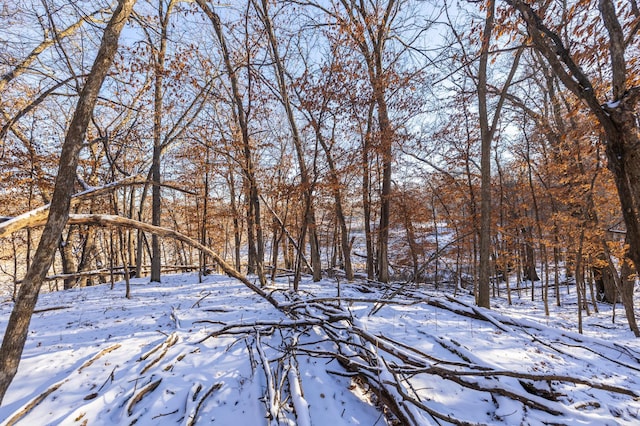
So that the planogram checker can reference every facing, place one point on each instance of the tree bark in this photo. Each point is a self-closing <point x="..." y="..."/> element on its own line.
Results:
<point x="628" y="283"/>
<point x="18" y="326"/>
<point x="66" y="256"/>
<point x="366" y="194"/>
<point x="486" y="135"/>
<point x="237" y="232"/>
<point x="386" y="142"/>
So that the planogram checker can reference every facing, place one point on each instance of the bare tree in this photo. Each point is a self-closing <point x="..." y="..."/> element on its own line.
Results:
<point x="18" y="326"/>
<point x="309" y="219"/>
<point x="254" y="229"/>
<point x="159" y="55"/>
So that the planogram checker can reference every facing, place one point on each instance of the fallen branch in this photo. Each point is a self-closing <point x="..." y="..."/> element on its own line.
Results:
<point x="34" y="403"/>
<point x="433" y="413"/>
<point x="37" y="400"/>
<point x="248" y="327"/>
<point x="98" y="356"/>
<point x="143" y="392"/>
<point x="193" y="416"/>
<point x="273" y="396"/>
<point x="171" y="340"/>
<point x="300" y="405"/>
<point x="111" y="220"/>
<point x="38" y="218"/>
<point x="55" y="308"/>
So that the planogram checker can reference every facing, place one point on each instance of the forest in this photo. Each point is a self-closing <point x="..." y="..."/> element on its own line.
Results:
<point x="478" y="148"/>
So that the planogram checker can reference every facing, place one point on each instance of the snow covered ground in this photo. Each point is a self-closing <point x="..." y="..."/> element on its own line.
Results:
<point x="184" y="352"/>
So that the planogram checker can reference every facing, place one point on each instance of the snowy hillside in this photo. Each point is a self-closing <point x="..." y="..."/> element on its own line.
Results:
<point x="190" y="353"/>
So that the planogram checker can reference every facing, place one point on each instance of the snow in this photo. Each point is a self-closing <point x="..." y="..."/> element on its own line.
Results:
<point x="612" y="104"/>
<point x="183" y="352"/>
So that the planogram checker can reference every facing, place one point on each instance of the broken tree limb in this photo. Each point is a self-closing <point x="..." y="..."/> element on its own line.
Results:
<point x="193" y="415"/>
<point x="244" y="328"/>
<point x="39" y="219"/>
<point x="98" y="356"/>
<point x="171" y="340"/>
<point x="38" y="216"/>
<point x="112" y="220"/>
<point x="397" y="383"/>
<point x="143" y="392"/>
<point x="54" y="308"/>
<point x="37" y="400"/>
<point x="273" y="396"/>
<point x="301" y="406"/>
<point x="34" y="403"/>
<point x="397" y="361"/>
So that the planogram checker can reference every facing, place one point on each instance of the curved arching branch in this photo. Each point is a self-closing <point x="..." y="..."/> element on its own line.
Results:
<point x="9" y="225"/>
<point x="112" y="220"/>
<point x="36" y="220"/>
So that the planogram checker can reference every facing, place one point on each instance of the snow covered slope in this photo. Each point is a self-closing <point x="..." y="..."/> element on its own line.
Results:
<point x="184" y="352"/>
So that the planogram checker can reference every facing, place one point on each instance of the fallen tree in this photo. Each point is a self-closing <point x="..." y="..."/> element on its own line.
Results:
<point x="38" y="216"/>
<point x="36" y="219"/>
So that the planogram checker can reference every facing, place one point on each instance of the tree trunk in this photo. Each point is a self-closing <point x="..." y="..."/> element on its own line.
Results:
<point x="254" y="230"/>
<point x="89" y="250"/>
<point x="536" y="213"/>
<point x="628" y="284"/>
<point x="66" y="254"/>
<point x="529" y="272"/>
<point x="624" y="285"/>
<point x="337" y="198"/>
<point x="237" y="232"/>
<point x="309" y="221"/>
<point x="205" y="211"/>
<point x="605" y="283"/>
<point x="275" y="249"/>
<point x="486" y="135"/>
<point x="18" y="326"/>
<point x="140" y="240"/>
<point x="366" y="194"/>
<point x="158" y="95"/>
<point x="487" y="131"/>
<point x="386" y="143"/>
